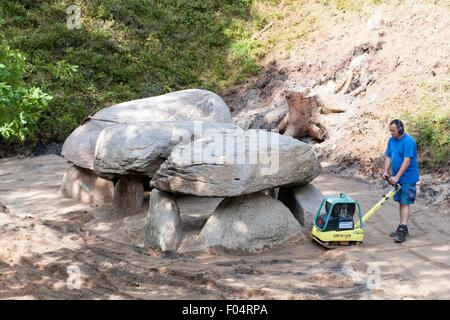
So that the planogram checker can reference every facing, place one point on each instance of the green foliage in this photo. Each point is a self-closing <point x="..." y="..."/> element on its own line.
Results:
<point x="12" y="65"/>
<point x="432" y="132"/>
<point x="20" y="106"/>
<point x="133" y="49"/>
<point x="350" y="5"/>
<point x="127" y="50"/>
<point x="62" y="70"/>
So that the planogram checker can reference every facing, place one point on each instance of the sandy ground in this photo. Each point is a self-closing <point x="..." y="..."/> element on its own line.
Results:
<point x="44" y="236"/>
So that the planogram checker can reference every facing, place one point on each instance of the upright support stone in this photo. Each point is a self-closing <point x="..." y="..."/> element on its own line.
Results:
<point x="250" y="223"/>
<point x="83" y="185"/>
<point x="273" y="192"/>
<point x="303" y="202"/>
<point x="129" y="196"/>
<point x="163" y="224"/>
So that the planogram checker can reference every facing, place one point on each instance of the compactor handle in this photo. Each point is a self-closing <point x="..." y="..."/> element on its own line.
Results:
<point x="397" y="186"/>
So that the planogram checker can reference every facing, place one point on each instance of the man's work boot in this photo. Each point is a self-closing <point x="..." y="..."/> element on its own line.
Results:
<point x="395" y="233"/>
<point x="401" y="234"/>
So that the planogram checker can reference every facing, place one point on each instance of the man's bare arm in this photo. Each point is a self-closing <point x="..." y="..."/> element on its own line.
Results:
<point x="387" y="166"/>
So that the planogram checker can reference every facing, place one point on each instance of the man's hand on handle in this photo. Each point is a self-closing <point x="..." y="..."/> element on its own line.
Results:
<point x="392" y="180"/>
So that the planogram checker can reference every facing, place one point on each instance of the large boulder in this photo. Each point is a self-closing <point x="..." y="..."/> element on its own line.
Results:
<point x="163" y="225"/>
<point x="140" y="149"/>
<point x="192" y="104"/>
<point x="248" y="224"/>
<point x="245" y="163"/>
<point x="303" y="202"/>
<point x="79" y="147"/>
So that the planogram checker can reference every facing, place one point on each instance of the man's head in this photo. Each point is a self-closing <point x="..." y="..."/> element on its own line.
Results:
<point x="396" y="128"/>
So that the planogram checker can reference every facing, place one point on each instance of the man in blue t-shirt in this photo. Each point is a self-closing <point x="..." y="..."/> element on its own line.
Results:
<point x="401" y="157"/>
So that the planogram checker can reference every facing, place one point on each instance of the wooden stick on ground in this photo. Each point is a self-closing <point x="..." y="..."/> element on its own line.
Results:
<point x="345" y="84"/>
<point x="256" y="36"/>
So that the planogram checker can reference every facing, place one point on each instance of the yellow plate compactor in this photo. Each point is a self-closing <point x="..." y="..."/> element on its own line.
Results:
<point x="335" y="222"/>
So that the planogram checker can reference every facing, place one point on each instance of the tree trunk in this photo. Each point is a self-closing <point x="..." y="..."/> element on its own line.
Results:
<point x="302" y="118"/>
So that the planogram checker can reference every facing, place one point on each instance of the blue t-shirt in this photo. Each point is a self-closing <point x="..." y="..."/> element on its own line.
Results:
<point x="398" y="150"/>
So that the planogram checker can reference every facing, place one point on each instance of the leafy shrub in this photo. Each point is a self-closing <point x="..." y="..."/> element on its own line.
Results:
<point x="432" y="132"/>
<point x="20" y="106"/>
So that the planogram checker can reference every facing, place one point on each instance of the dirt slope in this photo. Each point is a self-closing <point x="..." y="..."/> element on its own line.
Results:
<point x="406" y="46"/>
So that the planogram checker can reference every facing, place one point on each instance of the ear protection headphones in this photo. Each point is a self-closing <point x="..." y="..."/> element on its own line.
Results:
<point x="399" y="124"/>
